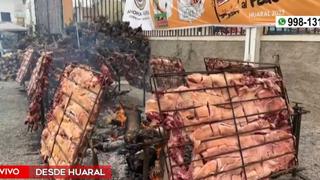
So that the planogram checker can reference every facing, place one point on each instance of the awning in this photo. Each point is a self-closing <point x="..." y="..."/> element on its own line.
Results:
<point x="10" y="27"/>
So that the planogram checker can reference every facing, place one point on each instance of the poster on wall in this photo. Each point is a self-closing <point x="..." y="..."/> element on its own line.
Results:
<point x="191" y="13"/>
<point x="137" y="13"/>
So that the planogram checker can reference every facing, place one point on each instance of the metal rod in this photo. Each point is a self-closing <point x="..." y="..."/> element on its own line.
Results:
<point x="89" y="118"/>
<point x="69" y="79"/>
<point x="105" y="9"/>
<point x="221" y="104"/>
<point x="77" y="32"/>
<point x="228" y="119"/>
<point x="102" y="92"/>
<point x="277" y="174"/>
<point x="55" y="136"/>
<point x="75" y="101"/>
<point x="233" y="151"/>
<point x="64" y="154"/>
<point x="91" y="10"/>
<point x="209" y="88"/>
<point x="74" y="121"/>
<point x="144" y="80"/>
<point x="236" y="126"/>
<point x="87" y="9"/>
<point x="248" y="164"/>
<point x="109" y="12"/>
<point x="218" y="71"/>
<point x="113" y="15"/>
<point x="117" y="6"/>
<point x="146" y="152"/>
<point x="94" y="10"/>
<point x="297" y="125"/>
<point x="42" y="112"/>
<point x="221" y="137"/>
<point x="207" y="61"/>
<point x="121" y="8"/>
<point x="161" y="117"/>
<point x="101" y="8"/>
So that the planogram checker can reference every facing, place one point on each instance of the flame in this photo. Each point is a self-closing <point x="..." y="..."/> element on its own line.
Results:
<point x="121" y="116"/>
<point x="156" y="171"/>
<point x="155" y="178"/>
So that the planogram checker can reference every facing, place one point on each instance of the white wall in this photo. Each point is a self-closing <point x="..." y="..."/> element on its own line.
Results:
<point x="15" y="7"/>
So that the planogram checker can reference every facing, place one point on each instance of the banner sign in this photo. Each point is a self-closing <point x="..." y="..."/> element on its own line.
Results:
<point x="137" y="13"/>
<point x="188" y="13"/>
<point x="55" y="172"/>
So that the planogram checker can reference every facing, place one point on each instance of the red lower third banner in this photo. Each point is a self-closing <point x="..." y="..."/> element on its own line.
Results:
<point x="47" y="172"/>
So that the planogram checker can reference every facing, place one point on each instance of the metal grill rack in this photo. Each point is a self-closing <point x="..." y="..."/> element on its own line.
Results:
<point x="175" y="66"/>
<point x="247" y="68"/>
<point x="213" y="64"/>
<point x="85" y="136"/>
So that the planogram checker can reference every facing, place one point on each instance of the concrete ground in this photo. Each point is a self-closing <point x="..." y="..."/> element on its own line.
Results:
<point x="17" y="146"/>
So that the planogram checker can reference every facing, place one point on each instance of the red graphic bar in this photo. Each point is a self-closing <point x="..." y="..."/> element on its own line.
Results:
<point x="79" y="172"/>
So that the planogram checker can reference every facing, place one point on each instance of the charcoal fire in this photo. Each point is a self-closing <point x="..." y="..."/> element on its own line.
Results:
<point x="143" y="154"/>
<point x="237" y="121"/>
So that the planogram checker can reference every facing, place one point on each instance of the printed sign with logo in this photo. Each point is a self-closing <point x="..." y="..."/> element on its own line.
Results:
<point x="162" y="11"/>
<point x="137" y="13"/>
<point x="188" y="13"/>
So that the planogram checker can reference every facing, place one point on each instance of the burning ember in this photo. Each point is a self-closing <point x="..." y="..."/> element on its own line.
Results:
<point x="121" y="116"/>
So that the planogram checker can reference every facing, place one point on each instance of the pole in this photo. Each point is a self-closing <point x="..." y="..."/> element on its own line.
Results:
<point x="77" y="32"/>
<point x="252" y="44"/>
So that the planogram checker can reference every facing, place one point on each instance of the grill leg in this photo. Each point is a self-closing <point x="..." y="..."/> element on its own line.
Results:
<point x="43" y="119"/>
<point x="146" y="152"/>
<point x="298" y="111"/>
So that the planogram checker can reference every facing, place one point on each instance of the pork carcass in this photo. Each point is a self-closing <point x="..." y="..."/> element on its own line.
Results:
<point x="37" y="89"/>
<point x="253" y="155"/>
<point x="211" y="111"/>
<point x="27" y="64"/>
<point x="73" y="114"/>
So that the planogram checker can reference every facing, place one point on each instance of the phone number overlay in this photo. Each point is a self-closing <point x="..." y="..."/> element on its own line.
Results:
<point x="298" y="21"/>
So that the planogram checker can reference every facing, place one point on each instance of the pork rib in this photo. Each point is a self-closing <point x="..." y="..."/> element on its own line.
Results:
<point x="73" y="114"/>
<point x="208" y="111"/>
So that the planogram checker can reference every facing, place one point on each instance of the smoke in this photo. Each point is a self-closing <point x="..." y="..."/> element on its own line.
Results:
<point x="100" y="43"/>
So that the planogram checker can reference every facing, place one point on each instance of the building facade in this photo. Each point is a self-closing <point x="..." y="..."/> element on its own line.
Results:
<point x="13" y="11"/>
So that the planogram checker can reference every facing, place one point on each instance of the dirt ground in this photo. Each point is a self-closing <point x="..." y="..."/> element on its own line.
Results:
<point x="17" y="146"/>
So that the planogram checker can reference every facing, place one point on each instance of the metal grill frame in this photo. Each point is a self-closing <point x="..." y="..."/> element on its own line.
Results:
<point x="88" y="134"/>
<point x="259" y="66"/>
<point x="164" y="70"/>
